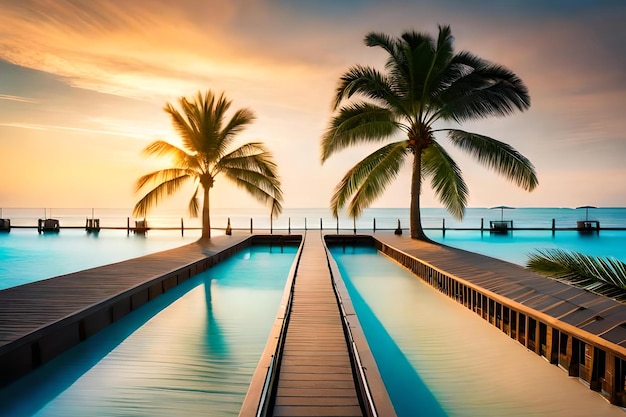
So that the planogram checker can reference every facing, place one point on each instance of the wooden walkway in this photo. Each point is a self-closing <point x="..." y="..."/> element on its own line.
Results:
<point x="597" y="315"/>
<point x="315" y="376"/>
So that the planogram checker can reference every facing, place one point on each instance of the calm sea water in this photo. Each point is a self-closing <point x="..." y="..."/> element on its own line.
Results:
<point x="299" y="218"/>
<point x="26" y="256"/>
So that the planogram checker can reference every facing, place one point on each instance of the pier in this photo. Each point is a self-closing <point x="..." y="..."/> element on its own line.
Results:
<point x="317" y="362"/>
<point x="315" y="377"/>
<point x="317" y="359"/>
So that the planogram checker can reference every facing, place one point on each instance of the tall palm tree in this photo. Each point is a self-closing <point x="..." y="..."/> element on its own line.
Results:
<point x="207" y="138"/>
<point x="425" y="82"/>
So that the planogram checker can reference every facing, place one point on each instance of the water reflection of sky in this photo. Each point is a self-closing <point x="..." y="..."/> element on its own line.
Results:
<point x="517" y="245"/>
<point x="191" y="351"/>
<point x="26" y="256"/>
<point x="470" y="368"/>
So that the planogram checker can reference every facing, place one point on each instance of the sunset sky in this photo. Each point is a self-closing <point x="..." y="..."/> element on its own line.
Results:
<point x="83" y="85"/>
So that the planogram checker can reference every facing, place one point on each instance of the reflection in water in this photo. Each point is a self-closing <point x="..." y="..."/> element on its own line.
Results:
<point x="396" y="371"/>
<point x="470" y="367"/>
<point x="215" y="342"/>
<point x="188" y="352"/>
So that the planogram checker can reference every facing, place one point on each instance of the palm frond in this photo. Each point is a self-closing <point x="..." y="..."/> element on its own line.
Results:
<point x="606" y="276"/>
<point x="357" y="123"/>
<point x="447" y="180"/>
<point x="496" y="155"/>
<point x="194" y="206"/>
<point x="260" y="187"/>
<point x="237" y="124"/>
<point x="189" y="133"/>
<point x="425" y="59"/>
<point x="182" y="159"/>
<point x="252" y="156"/>
<point x="269" y="184"/>
<point x="165" y="188"/>
<point x="366" y="82"/>
<point x="477" y="88"/>
<point x="367" y="180"/>
<point x="252" y="168"/>
<point x="382" y="40"/>
<point x="161" y="176"/>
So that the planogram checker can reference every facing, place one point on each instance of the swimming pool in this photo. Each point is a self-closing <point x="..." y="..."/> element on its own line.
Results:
<point x="26" y="256"/>
<point x="191" y="351"/>
<point x="438" y="359"/>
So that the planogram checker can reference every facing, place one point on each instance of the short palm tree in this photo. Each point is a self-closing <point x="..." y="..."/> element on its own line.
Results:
<point x="425" y="82"/>
<point x="207" y="138"/>
<point x="604" y="275"/>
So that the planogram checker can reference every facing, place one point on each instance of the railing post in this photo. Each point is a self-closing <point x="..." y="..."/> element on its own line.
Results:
<point x="289" y="225"/>
<point x="354" y="224"/>
<point x="374" y="224"/>
<point x="182" y="227"/>
<point x="321" y="227"/>
<point x="482" y="223"/>
<point x="337" y="224"/>
<point x="250" y="225"/>
<point x="443" y="228"/>
<point x="127" y="226"/>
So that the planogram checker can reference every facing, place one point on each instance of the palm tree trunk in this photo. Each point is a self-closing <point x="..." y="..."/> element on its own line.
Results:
<point x="206" y="218"/>
<point x="416" y="187"/>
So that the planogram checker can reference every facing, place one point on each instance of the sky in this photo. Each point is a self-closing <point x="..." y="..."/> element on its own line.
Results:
<point x="83" y="84"/>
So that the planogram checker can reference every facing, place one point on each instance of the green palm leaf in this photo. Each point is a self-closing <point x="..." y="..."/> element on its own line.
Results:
<point x="357" y="123"/>
<point x="605" y="276"/>
<point x="446" y="179"/>
<point x="498" y="156"/>
<point x="479" y="89"/>
<point x="368" y="179"/>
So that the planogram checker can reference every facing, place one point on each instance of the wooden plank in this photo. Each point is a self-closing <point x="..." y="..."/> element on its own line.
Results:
<point x="316" y="377"/>
<point x="316" y="411"/>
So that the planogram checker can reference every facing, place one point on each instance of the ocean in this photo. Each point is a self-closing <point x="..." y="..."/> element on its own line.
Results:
<point x="311" y="218"/>
<point x="513" y="247"/>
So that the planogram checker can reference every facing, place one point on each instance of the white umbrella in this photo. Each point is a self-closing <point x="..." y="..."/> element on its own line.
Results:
<point x="502" y="210"/>
<point x="586" y="210"/>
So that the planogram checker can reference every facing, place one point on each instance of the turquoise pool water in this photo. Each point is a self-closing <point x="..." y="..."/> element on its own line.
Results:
<point x="190" y="352"/>
<point x="26" y="256"/>
<point x="438" y="359"/>
<point x="517" y="245"/>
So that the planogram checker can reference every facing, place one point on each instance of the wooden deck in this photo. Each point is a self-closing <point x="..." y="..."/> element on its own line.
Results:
<point x="42" y="319"/>
<point x="597" y="315"/>
<point x="316" y="377"/>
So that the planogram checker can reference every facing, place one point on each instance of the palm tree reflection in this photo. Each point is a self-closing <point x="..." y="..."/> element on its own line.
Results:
<point x="215" y="342"/>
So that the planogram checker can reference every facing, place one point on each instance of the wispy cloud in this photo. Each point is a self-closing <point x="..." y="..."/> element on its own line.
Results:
<point x="129" y="132"/>
<point x="139" y="51"/>
<point x="17" y="98"/>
